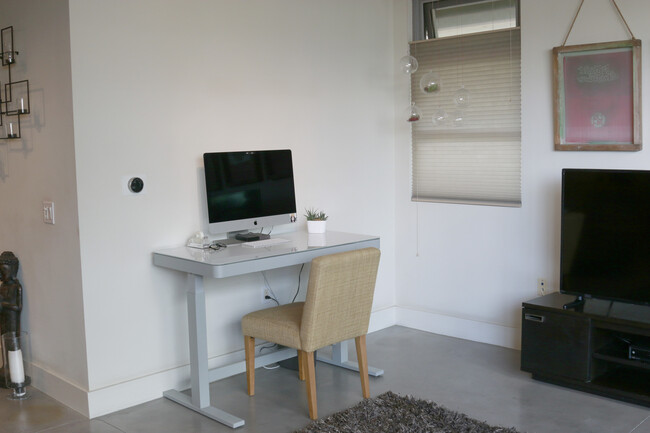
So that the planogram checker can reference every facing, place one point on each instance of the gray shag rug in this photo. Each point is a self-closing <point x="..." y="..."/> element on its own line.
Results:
<point x="392" y="413"/>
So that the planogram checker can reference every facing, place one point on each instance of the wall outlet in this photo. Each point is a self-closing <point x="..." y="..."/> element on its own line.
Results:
<point x="541" y="287"/>
<point x="267" y="302"/>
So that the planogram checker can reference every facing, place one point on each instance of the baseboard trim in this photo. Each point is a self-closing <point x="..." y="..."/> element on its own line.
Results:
<point x="382" y="319"/>
<point x="59" y="389"/>
<point x="459" y="327"/>
<point x="141" y="390"/>
<point x="130" y="393"/>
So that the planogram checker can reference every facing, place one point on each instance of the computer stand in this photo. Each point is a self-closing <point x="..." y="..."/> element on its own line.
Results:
<point x="248" y="236"/>
<point x="577" y="304"/>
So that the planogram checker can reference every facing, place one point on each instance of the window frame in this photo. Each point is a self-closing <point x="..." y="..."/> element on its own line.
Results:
<point x="418" y="15"/>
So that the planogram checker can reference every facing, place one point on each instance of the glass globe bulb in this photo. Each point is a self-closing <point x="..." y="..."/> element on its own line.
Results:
<point x="413" y="113"/>
<point x="458" y="118"/>
<point x="461" y="97"/>
<point x="440" y="117"/>
<point x="430" y="82"/>
<point x="408" y="64"/>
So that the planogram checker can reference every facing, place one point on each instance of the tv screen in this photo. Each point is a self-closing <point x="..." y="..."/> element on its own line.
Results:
<point x="247" y="190"/>
<point x="605" y="234"/>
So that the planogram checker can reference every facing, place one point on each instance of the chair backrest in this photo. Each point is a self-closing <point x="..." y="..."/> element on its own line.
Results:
<point x="339" y="298"/>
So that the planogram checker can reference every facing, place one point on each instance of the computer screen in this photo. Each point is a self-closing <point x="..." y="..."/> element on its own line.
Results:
<point x="249" y="190"/>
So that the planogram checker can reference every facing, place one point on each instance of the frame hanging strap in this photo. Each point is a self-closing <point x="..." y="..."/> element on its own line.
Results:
<point x="578" y="11"/>
<point x="623" y="18"/>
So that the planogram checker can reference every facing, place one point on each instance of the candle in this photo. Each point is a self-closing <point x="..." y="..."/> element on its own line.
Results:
<point x="22" y="105"/>
<point x="16" y="370"/>
<point x="11" y="129"/>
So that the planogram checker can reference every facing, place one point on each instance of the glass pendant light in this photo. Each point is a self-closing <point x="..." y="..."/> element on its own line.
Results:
<point x="430" y="83"/>
<point x="408" y="64"/>
<point x="458" y="118"/>
<point x="413" y="113"/>
<point x="440" y="117"/>
<point x="461" y="97"/>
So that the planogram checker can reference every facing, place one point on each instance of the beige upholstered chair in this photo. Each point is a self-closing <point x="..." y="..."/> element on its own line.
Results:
<point x="337" y="308"/>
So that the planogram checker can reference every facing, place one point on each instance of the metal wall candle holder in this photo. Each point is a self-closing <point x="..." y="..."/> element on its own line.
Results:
<point x="8" y="52"/>
<point x="14" y="97"/>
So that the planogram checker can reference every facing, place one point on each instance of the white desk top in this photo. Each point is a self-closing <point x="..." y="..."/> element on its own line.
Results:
<point x="237" y="260"/>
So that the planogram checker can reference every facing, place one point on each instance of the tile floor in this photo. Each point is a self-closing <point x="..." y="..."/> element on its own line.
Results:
<point x="480" y="380"/>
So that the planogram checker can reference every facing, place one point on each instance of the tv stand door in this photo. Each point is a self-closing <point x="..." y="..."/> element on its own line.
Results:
<point x="555" y="344"/>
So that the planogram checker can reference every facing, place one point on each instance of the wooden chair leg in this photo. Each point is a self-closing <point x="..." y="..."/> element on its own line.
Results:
<point x="249" y="349"/>
<point x="310" y="373"/>
<point x="362" y="356"/>
<point x="301" y="365"/>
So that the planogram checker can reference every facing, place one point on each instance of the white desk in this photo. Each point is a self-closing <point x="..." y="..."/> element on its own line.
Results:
<point x="238" y="260"/>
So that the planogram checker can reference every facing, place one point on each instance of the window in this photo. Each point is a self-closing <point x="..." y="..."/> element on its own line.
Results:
<point x="471" y="153"/>
<point x="442" y="18"/>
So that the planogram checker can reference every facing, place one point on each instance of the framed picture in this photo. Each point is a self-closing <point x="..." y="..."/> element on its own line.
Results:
<point x="597" y="96"/>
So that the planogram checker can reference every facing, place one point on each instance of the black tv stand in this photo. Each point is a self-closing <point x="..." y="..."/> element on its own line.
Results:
<point x="587" y="348"/>
<point x="577" y="304"/>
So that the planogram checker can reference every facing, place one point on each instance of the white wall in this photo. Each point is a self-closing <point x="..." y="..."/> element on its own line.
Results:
<point x="156" y="84"/>
<point x="38" y="167"/>
<point x="477" y="264"/>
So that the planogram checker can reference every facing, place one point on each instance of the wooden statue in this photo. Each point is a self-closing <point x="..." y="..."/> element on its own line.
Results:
<point x="11" y="293"/>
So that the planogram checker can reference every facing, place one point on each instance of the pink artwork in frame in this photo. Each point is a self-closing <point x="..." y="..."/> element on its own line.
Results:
<point x="597" y="96"/>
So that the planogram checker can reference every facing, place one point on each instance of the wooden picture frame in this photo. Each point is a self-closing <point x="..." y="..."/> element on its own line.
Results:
<point x="597" y="96"/>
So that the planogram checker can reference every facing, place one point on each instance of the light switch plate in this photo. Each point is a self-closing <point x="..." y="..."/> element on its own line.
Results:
<point x="48" y="212"/>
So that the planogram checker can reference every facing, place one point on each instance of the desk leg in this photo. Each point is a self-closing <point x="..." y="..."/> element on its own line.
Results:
<point x="198" y="341"/>
<point x="340" y="359"/>
<point x="199" y="375"/>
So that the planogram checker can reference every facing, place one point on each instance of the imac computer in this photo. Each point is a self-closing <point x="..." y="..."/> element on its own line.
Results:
<point x="248" y="191"/>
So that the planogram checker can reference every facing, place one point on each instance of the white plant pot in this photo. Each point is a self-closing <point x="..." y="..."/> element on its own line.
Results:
<point x="316" y="226"/>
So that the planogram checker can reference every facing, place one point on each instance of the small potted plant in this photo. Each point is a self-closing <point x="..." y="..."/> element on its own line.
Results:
<point x="316" y="220"/>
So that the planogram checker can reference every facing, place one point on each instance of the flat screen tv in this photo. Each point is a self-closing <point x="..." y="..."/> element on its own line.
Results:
<point x="605" y="234"/>
<point x="249" y="190"/>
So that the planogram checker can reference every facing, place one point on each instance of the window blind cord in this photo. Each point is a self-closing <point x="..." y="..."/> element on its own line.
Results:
<point x="417" y="229"/>
<point x="492" y="7"/>
<point x="459" y="64"/>
<point x="510" y="63"/>
<point x="462" y="64"/>
<point x="415" y="184"/>
<point x="417" y="212"/>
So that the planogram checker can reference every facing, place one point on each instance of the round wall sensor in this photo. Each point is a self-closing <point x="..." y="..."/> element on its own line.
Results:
<point x="136" y="184"/>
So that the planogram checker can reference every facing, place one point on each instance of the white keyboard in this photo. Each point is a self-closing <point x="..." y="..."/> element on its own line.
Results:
<point x="264" y="243"/>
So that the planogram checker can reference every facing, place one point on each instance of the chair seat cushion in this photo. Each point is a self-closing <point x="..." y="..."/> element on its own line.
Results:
<point x="278" y="324"/>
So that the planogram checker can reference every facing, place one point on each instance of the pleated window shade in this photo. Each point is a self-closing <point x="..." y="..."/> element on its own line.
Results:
<point x="477" y="160"/>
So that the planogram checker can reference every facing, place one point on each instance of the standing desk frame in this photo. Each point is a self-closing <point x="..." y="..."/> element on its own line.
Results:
<point x="237" y="260"/>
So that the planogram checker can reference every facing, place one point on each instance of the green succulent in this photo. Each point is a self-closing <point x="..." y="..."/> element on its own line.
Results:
<point x="315" y="215"/>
